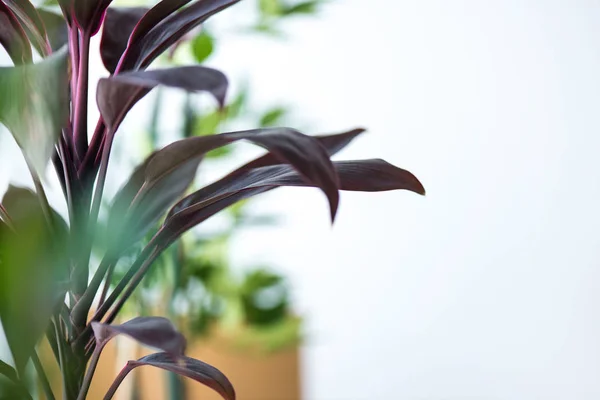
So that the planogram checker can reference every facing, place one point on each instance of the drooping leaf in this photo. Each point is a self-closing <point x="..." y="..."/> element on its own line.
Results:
<point x="202" y="46"/>
<point x="13" y="37"/>
<point x="331" y="143"/>
<point x="56" y="29"/>
<point x="166" y="174"/>
<point x="34" y="105"/>
<point x="186" y="366"/>
<point x="363" y="175"/>
<point x="155" y="332"/>
<point x="33" y="273"/>
<point x="160" y="37"/>
<point x="118" y="26"/>
<point x="31" y="22"/>
<point x="117" y="94"/>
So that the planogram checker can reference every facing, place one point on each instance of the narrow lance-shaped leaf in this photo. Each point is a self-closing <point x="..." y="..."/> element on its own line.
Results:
<point x="13" y="37"/>
<point x="186" y="366"/>
<point x="124" y="26"/>
<point x="166" y="33"/>
<point x="173" y="157"/>
<point x="33" y="273"/>
<point x="141" y="202"/>
<point x="34" y="105"/>
<point x="155" y="332"/>
<point x="31" y="22"/>
<point x="363" y="175"/>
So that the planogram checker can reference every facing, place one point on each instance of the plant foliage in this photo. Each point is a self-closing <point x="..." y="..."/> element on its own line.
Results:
<point x="47" y="282"/>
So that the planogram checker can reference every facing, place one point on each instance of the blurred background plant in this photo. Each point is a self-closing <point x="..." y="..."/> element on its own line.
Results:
<point x="193" y="282"/>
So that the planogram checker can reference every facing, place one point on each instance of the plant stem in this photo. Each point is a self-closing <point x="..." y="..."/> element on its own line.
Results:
<point x="85" y="386"/>
<point x="82" y="307"/>
<point x="115" y="385"/>
<point x="42" y="376"/>
<point x="81" y="98"/>
<point x="107" y="280"/>
<point x="62" y="359"/>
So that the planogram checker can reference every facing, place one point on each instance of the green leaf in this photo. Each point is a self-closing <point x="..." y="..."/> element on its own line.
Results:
<point x="272" y="117"/>
<point x="34" y="105"/>
<point x="306" y="8"/>
<point x="33" y="273"/>
<point x="270" y="8"/>
<point x="202" y="46"/>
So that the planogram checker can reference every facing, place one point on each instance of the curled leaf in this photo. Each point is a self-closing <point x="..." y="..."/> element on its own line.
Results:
<point x="89" y="14"/>
<point x="117" y="94"/>
<point x="118" y="26"/>
<point x="166" y="174"/>
<point x="189" y="367"/>
<point x="156" y="332"/>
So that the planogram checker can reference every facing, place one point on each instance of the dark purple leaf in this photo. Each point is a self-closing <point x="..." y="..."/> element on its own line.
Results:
<point x="56" y="28"/>
<point x="89" y="14"/>
<point x="188" y="367"/>
<point x="155" y="332"/>
<point x="332" y="143"/>
<point x="31" y="22"/>
<point x="33" y="273"/>
<point x="159" y="38"/>
<point x="117" y="94"/>
<point x="13" y="37"/>
<point x="166" y="174"/>
<point x="34" y="105"/>
<point x="118" y="26"/>
<point x="156" y="15"/>
<point x="363" y="175"/>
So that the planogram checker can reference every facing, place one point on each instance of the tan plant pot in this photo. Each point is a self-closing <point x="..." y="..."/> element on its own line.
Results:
<point x="255" y="375"/>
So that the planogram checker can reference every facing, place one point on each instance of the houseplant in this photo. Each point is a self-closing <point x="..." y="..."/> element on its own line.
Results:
<point x="48" y="281"/>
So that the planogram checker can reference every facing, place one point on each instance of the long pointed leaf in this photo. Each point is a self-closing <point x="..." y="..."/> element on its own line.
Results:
<point x="13" y="37"/>
<point x="166" y="33"/>
<point x="363" y="175"/>
<point x="166" y="174"/>
<point x="34" y="105"/>
<point x="32" y="23"/>
<point x="188" y="367"/>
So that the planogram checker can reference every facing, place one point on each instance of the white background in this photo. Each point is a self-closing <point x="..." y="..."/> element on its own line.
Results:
<point x="487" y="287"/>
